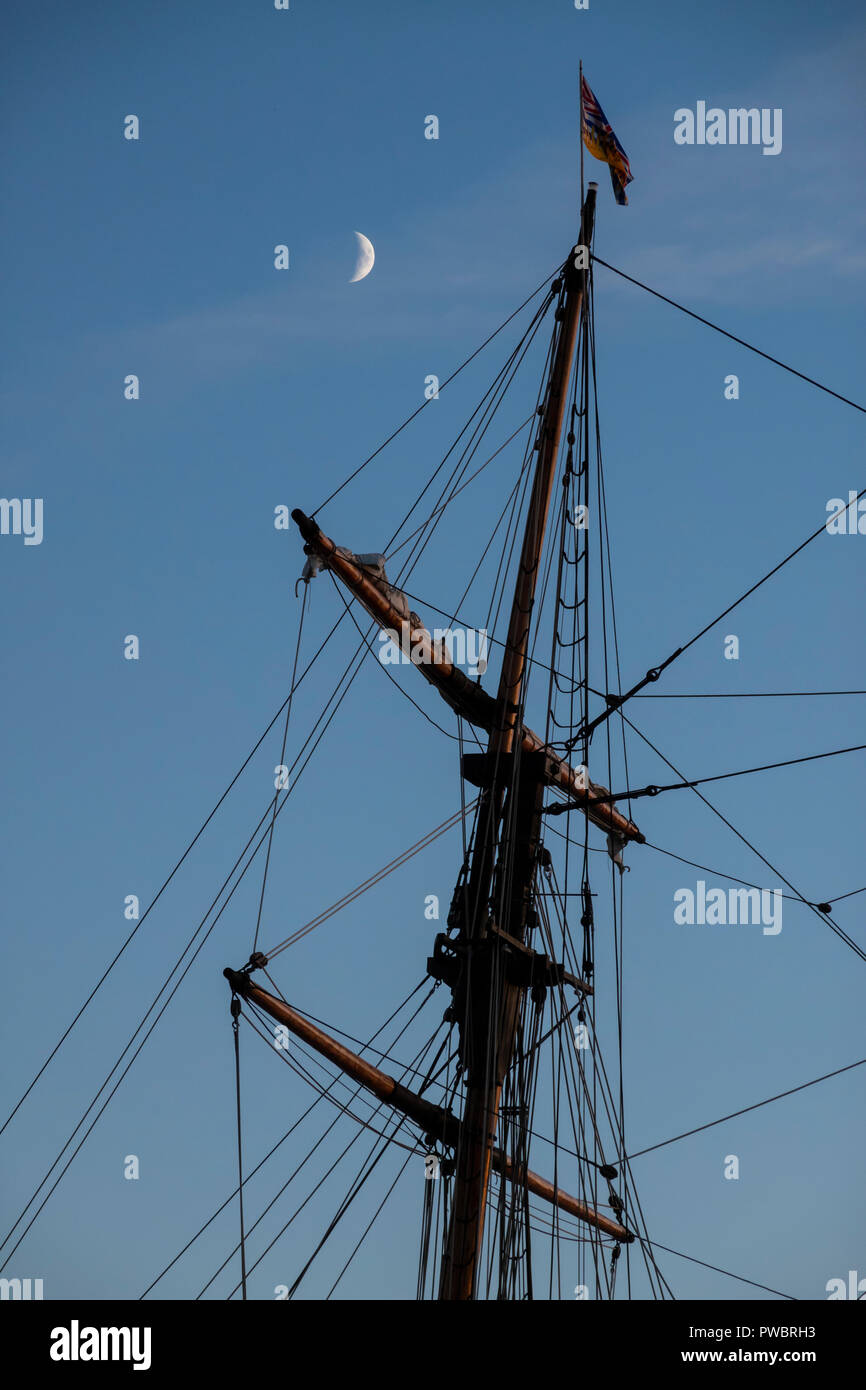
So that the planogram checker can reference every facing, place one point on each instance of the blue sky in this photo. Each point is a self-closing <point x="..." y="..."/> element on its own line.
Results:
<point x="260" y="388"/>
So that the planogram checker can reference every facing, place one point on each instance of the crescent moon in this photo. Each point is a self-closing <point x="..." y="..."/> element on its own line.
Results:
<point x="366" y="257"/>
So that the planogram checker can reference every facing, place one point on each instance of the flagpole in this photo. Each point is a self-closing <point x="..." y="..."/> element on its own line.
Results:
<point x="580" y="135"/>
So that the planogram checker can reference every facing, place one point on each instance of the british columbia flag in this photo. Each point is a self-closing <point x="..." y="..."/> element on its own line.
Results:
<point x="600" y="140"/>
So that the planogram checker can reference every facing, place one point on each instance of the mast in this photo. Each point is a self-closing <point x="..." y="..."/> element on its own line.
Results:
<point x="488" y="962"/>
<point x="504" y="852"/>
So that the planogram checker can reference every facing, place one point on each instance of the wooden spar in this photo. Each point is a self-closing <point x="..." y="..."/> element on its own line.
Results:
<point x="488" y="995"/>
<point x="434" y="1119"/>
<point x="540" y="1187"/>
<point x="464" y="695"/>
<point x="431" y="658"/>
<point x="439" y="1123"/>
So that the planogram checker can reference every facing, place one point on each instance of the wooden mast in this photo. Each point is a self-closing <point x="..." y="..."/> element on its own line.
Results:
<point x="489" y="1002"/>
<point x="493" y="909"/>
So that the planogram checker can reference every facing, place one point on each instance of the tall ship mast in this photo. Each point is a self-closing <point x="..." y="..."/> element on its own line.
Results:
<point x="493" y="958"/>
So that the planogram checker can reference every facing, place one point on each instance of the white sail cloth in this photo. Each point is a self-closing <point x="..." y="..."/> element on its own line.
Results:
<point x="374" y="567"/>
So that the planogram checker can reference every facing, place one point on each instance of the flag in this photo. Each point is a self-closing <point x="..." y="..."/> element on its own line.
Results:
<point x="600" y="140"/>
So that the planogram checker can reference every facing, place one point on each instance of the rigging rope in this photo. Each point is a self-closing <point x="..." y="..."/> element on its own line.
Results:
<point x="558" y="808"/>
<point x="485" y="410"/>
<point x="615" y="702"/>
<point x="281" y="764"/>
<point x="343" y="1110"/>
<point x="823" y="906"/>
<point x="152" y="904"/>
<point x="401" y="1120"/>
<point x="820" y="914"/>
<point x="370" y="882"/>
<point x="750" y="695"/>
<point x="166" y="983"/>
<point x="425" y="403"/>
<point x="746" y="1108"/>
<point x="279" y="1142"/>
<point x="235" y="1010"/>
<point x="716" y="1269"/>
<point x="456" y="491"/>
<point x="742" y="342"/>
<point x="367" y="1228"/>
